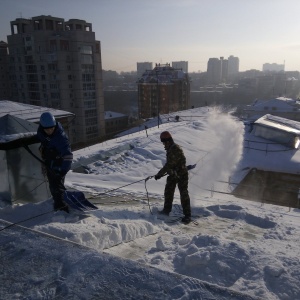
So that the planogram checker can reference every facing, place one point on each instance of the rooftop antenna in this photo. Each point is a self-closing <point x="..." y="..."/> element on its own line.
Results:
<point x="285" y="79"/>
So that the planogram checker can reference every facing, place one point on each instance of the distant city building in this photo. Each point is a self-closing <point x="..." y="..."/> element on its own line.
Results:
<point x="214" y="71"/>
<point x="222" y="70"/>
<point x="142" y="67"/>
<point x="247" y="86"/>
<point x="57" y="63"/>
<point x="233" y="65"/>
<point x="273" y="85"/>
<point x="115" y="122"/>
<point x="273" y="67"/>
<point x="4" y="72"/>
<point x="163" y="90"/>
<point x="183" y="65"/>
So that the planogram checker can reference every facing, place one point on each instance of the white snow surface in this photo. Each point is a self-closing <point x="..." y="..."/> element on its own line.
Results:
<point x="233" y="249"/>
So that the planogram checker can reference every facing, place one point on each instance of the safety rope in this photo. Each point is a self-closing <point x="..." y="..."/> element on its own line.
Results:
<point x="112" y="190"/>
<point x="29" y="192"/>
<point x="36" y="157"/>
<point x="24" y="220"/>
<point x="147" y="193"/>
<point x="109" y="191"/>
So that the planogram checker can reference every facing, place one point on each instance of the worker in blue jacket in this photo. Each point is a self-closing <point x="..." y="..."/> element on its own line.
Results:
<point x="57" y="156"/>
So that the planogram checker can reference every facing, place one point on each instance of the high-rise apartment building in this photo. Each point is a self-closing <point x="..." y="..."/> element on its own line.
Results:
<point x="233" y="65"/>
<point x="222" y="70"/>
<point x="214" y="71"/>
<point x="183" y="65"/>
<point x="57" y="63"/>
<point x="142" y="67"/>
<point x="4" y="72"/>
<point x="273" y="67"/>
<point x="163" y="90"/>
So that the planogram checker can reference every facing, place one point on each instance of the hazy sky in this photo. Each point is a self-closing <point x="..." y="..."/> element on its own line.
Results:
<point x="162" y="31"/>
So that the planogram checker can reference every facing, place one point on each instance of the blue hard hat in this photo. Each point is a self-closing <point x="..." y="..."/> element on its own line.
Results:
<point x="47" y="120"/>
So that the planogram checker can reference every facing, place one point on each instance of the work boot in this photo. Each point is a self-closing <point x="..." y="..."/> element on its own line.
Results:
<point x="186" y="219"/>
<point x="163" y="212"/>
<point x="65" y="208"/>
<point x="61" y="206"/>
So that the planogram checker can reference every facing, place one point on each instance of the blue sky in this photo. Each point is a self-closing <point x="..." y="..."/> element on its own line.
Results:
<point x="162" y="31"/>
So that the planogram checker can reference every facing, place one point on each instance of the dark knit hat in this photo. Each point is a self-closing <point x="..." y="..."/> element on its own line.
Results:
<point x="166" y="136"/>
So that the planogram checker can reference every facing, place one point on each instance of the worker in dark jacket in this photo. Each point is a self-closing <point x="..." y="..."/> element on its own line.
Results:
<point x="177" y="171"/>
<point x="57" y="156"/>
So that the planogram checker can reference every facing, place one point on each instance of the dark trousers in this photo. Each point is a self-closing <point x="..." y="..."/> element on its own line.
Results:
<point x="182" y="183"/>
<point x="57" y="188"/>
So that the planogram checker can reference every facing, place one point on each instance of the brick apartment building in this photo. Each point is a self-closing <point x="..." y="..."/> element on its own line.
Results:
<point x="163" y="90"/>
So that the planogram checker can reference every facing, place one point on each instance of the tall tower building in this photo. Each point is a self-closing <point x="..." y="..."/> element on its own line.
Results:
<point x="142" y="67"/>
<point x="57" y="63"/>
<point x="233" y="65"/>
<point x="5" y="93"/>
<point x="163" y="90"/>
<point x="214" y="71"/>
<point x="224" y="69"/>
<point x="183" y="65"/>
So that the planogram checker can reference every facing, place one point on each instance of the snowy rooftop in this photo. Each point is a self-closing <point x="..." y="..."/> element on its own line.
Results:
<point x="28" y="112"/>
<point x="162" y="74"/>
<point x="111" y="114"/>
<point x="234" y="249"/>
<point x="280" y="123"/>
<point x="280" y="104"/>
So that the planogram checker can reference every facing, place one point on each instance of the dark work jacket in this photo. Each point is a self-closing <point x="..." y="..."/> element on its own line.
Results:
<point x="176" y="162"/>
<point x="55" y="149"/>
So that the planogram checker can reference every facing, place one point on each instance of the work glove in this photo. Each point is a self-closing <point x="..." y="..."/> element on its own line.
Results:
<point x="57" y="171"/>
<point x="156" y="177"/>
<point x="190" y="167"/>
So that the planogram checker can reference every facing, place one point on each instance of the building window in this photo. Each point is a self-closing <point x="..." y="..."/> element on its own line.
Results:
<point x="64" y="45"/>
<point x="54" y="86"/>
<point x="52" y="67"/>
<point x="54" y="95"/>
<point x="91" y="122"/>
<point x="88" y="86"/>
<point x="89" y="95"/>
<point x="90" y="104"/>
<point x="90" y="113"/>
<point x="87" y="68"/>
<point x="53" y="46"/>
<point x="85" y="49"/>
<point x="86" y="59"/>
<point x="97" y="48"/>
<point x="88" y="77"/>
